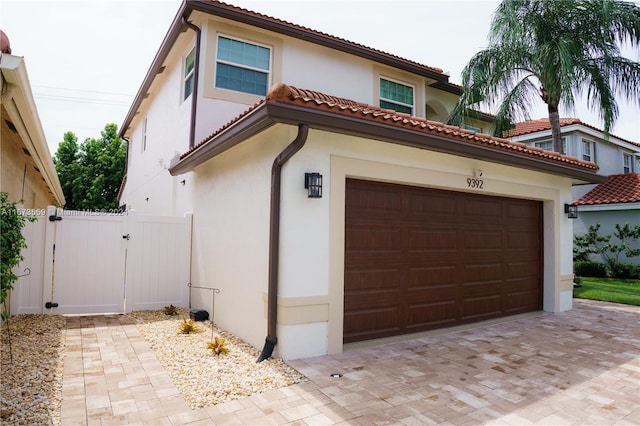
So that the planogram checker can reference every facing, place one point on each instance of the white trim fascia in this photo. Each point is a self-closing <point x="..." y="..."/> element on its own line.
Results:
<point x="608" y="207"/>
<point x="24" y="114"/>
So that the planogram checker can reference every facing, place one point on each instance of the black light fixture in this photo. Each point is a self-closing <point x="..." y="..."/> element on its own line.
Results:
<point x="571" y="210"/>
<point x="313" y="183"/>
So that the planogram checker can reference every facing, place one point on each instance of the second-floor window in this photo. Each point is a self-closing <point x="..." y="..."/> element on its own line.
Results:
<point x="396" y="96"/>
<point x="548" y="145"/>
<point x="588" y="151"/>
<point x="242" y="66"/>
<point x="627" y="163"/>
<point x="189" y="63"/>
<point x="144" y="134"/>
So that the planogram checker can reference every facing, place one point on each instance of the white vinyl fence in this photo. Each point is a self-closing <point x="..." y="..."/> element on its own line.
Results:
<point x="81" y="262"/>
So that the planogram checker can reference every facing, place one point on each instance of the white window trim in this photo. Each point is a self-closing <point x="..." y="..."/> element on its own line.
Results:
<point x="592" y="150"/>
<point x="188" y="76"/>
<point x="627" y="165"/>
<point x="144" y="134"/>
<point x="550" y="143"/>
<point x="269" y="73"/>
<point x="404" y="83"/>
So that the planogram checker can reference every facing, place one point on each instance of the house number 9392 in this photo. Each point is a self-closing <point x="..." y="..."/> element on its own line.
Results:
<point x="475" y="183"/>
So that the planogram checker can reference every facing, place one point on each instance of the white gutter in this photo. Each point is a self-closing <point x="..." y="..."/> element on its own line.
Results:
<point x="22" y="110"/>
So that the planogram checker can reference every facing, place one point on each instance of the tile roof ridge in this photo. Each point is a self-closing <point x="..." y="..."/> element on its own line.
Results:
<point x="301" y="27"/>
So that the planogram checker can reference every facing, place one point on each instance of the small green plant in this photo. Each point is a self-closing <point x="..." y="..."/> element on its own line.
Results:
<point x="188" y="327"/>
<point x="218" y="346"/>
<point x="170" y="310"/>
<point x="11" y="244"/>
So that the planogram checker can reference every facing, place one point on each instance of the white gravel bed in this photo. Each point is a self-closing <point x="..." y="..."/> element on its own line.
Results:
<point x="31" y="373"/>
<point x="202" y="377"/>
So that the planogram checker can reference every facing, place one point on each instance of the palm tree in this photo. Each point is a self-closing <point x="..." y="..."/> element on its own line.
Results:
<point x="556" y="50"/>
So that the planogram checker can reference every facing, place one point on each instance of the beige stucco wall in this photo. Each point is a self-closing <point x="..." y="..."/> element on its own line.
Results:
<point x="20" y="179"/>
<point x="231" y="223"/>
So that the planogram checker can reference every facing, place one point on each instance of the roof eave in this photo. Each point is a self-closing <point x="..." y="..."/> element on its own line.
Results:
<point x="271" y="113"/>
<point x="14" y="72"/>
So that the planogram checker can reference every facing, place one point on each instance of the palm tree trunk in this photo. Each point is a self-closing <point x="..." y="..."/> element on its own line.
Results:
<point x="554" y="119"/>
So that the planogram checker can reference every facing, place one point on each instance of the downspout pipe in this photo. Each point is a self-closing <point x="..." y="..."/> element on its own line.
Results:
<point x="196" y="75"/>
<point x="274" y="239"/>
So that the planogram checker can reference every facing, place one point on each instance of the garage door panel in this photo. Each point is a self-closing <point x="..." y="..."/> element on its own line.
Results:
<point x="364" y="324"/>
<point x="432" y="204"/>
<point x="488" y="240"/>
<point x="428" y="240"/>
<point x="431" y="315"/>
<point x="374" y="239"/>
<point x="481" y="308"/>
<point x="482" y="209"/>
<point x="434" y="278"/>
<point x="373" y="280"/>
<point x="439" y="258"/>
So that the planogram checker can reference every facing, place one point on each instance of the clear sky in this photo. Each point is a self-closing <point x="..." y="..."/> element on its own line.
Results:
<point x="86" y="59"/>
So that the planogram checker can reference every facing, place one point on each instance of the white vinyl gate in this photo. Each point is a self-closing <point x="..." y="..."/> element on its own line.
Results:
<point x="81" y="262"/>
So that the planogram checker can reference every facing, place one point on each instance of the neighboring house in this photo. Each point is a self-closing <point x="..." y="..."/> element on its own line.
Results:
<point x="616" y="201"/>
<point x="333" y="209"/>
<point x="612" y="154"/>
<point x="28" y="174"/>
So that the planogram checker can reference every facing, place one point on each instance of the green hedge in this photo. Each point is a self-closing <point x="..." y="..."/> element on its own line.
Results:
<point x="588" y="268"/>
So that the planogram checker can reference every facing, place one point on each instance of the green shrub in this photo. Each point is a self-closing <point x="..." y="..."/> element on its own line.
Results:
<point x="624" y="271"/>
<point x="588" y="268"/>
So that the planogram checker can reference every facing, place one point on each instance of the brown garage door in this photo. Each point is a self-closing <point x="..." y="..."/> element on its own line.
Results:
<point x="418" y="259"/>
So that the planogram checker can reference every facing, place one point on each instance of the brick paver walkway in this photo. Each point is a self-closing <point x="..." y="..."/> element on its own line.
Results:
<point x="580" y="367"/>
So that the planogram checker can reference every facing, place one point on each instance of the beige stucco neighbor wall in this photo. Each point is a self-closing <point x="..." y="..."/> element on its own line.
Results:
<point x="20" y="179"/>
<point x="231" y="229"/>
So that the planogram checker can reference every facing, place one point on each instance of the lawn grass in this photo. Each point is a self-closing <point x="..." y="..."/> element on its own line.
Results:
<point x="609" y="290"/>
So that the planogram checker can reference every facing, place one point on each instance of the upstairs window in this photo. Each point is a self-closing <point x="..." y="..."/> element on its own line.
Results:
<point x="627" y="163"/>
<point x="242" y="67"/>
<point x="396" y="96"/>
<point x="189" y="63"/>
<point x="473" y="129"/>
<point x="144" y="134"/>
<point x="548" y="145"/>
<point x="588" y="151"/>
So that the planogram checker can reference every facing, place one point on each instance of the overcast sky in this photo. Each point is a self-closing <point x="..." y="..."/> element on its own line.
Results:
<point x="87" y="59"/>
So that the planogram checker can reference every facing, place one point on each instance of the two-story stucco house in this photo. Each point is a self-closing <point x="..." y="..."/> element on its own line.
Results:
<point x="612" y="154"/>
<point x="330" y="203"/>
<point x="607" y="204"/>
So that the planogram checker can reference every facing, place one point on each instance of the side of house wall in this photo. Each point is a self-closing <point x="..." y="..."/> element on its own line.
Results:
<point x="608" y="217"/>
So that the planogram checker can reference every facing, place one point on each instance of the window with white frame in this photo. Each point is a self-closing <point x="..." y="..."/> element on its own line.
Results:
<point x="627" y="162"/>
<point x="396" y="96"/>
<point x="144" y="134"/>
<point x="473" y="128"/>
<point x="588" y="151"/>
<point x="189" y="64"/>
<point x="548" y="145"/>
<point x="242" y="66"/>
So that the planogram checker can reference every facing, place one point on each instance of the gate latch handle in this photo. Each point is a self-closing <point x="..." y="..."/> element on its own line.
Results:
<point x="126" y="237"/>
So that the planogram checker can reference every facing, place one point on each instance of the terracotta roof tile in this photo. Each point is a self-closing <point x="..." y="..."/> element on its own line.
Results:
<point x="624" y="188"/>
<point x="281" y="93"/>
<point x="532" y="126"/>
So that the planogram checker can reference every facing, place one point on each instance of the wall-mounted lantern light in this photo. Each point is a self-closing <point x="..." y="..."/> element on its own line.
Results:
<point x="313" y="183"/>
<point x="571" y="210"/>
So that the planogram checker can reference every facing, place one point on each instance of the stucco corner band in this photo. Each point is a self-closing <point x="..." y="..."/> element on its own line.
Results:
<point x="300" y="310"/>
<point x="565" y="282"/>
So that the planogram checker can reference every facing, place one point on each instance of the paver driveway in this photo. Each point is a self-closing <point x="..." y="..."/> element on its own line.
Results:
<point x="580" y="367"/>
